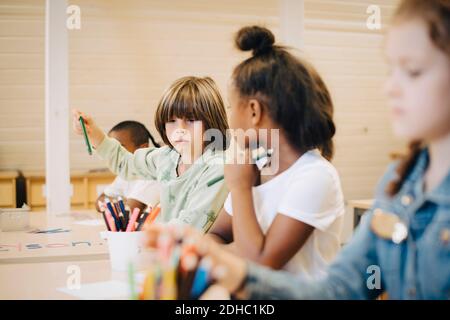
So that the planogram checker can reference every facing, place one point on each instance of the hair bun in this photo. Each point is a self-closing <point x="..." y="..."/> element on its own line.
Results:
<point x="256" y="38"/>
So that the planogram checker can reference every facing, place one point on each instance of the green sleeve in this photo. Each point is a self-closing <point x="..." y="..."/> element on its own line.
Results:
<point x="129" y="166"/>
<point x="204" y="202"/>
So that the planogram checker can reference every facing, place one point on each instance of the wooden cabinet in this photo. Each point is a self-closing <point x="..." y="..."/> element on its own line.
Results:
<point x="8" y="189"/>
<point x="86" y="187"/>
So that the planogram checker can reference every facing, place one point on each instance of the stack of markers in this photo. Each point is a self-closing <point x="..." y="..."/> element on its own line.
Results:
<point x="117" y="218"/>
<point x="177" y="272"/>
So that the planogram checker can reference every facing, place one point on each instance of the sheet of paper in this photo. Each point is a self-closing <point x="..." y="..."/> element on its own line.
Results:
<point x="107" y="290"/>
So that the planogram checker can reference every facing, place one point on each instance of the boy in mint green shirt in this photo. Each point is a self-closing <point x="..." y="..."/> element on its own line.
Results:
<point x="190" y="172"/>
<point x="192" y="198"/>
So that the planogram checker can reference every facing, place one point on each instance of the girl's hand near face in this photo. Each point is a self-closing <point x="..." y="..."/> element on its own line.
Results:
<point x="96" y="135"/>
<point x="241" y="173"/>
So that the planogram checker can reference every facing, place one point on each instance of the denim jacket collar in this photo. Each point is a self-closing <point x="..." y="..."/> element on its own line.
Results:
<point x="439" y="195"/>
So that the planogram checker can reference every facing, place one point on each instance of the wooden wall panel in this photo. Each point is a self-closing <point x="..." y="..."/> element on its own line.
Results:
<point x="349" y="57"/>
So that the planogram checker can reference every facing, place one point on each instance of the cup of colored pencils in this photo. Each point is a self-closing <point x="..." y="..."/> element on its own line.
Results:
<point x="124" y="235"/>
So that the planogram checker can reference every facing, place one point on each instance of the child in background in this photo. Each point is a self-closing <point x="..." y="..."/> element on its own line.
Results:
<point x="132" y="135"/>
<point x="189" y="169"/>
<point x="402" y="245"/>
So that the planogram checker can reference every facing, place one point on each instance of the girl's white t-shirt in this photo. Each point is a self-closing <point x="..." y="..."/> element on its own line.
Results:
<point x="309" y="191"/>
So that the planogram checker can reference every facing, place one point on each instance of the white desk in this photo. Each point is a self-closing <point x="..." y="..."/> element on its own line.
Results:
<point x="41" y="280"/>
<point x="83" y="242"/>
<point x="27" y="273"/>
<point x="37" y="281"/>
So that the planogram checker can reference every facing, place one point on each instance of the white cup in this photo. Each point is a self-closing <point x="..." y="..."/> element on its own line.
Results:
<point x="125" y="248"/>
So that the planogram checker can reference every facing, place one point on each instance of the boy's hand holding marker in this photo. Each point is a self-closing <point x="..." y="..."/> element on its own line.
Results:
<point x="94" y="133"/>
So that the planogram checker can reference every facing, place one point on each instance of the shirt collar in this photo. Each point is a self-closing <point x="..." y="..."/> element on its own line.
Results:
<point x="440" y="194"/>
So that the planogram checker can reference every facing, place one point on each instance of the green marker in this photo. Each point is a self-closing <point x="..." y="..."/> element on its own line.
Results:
<point x="215" y="180"/>
<point x="86" y="138"/>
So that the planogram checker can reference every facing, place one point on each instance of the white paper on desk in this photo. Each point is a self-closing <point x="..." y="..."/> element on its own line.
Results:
<point x="107" y="290"/>
<point x="91" y="222"/>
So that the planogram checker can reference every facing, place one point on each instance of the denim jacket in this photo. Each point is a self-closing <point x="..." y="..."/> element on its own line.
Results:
<point x="416" y="268"/>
